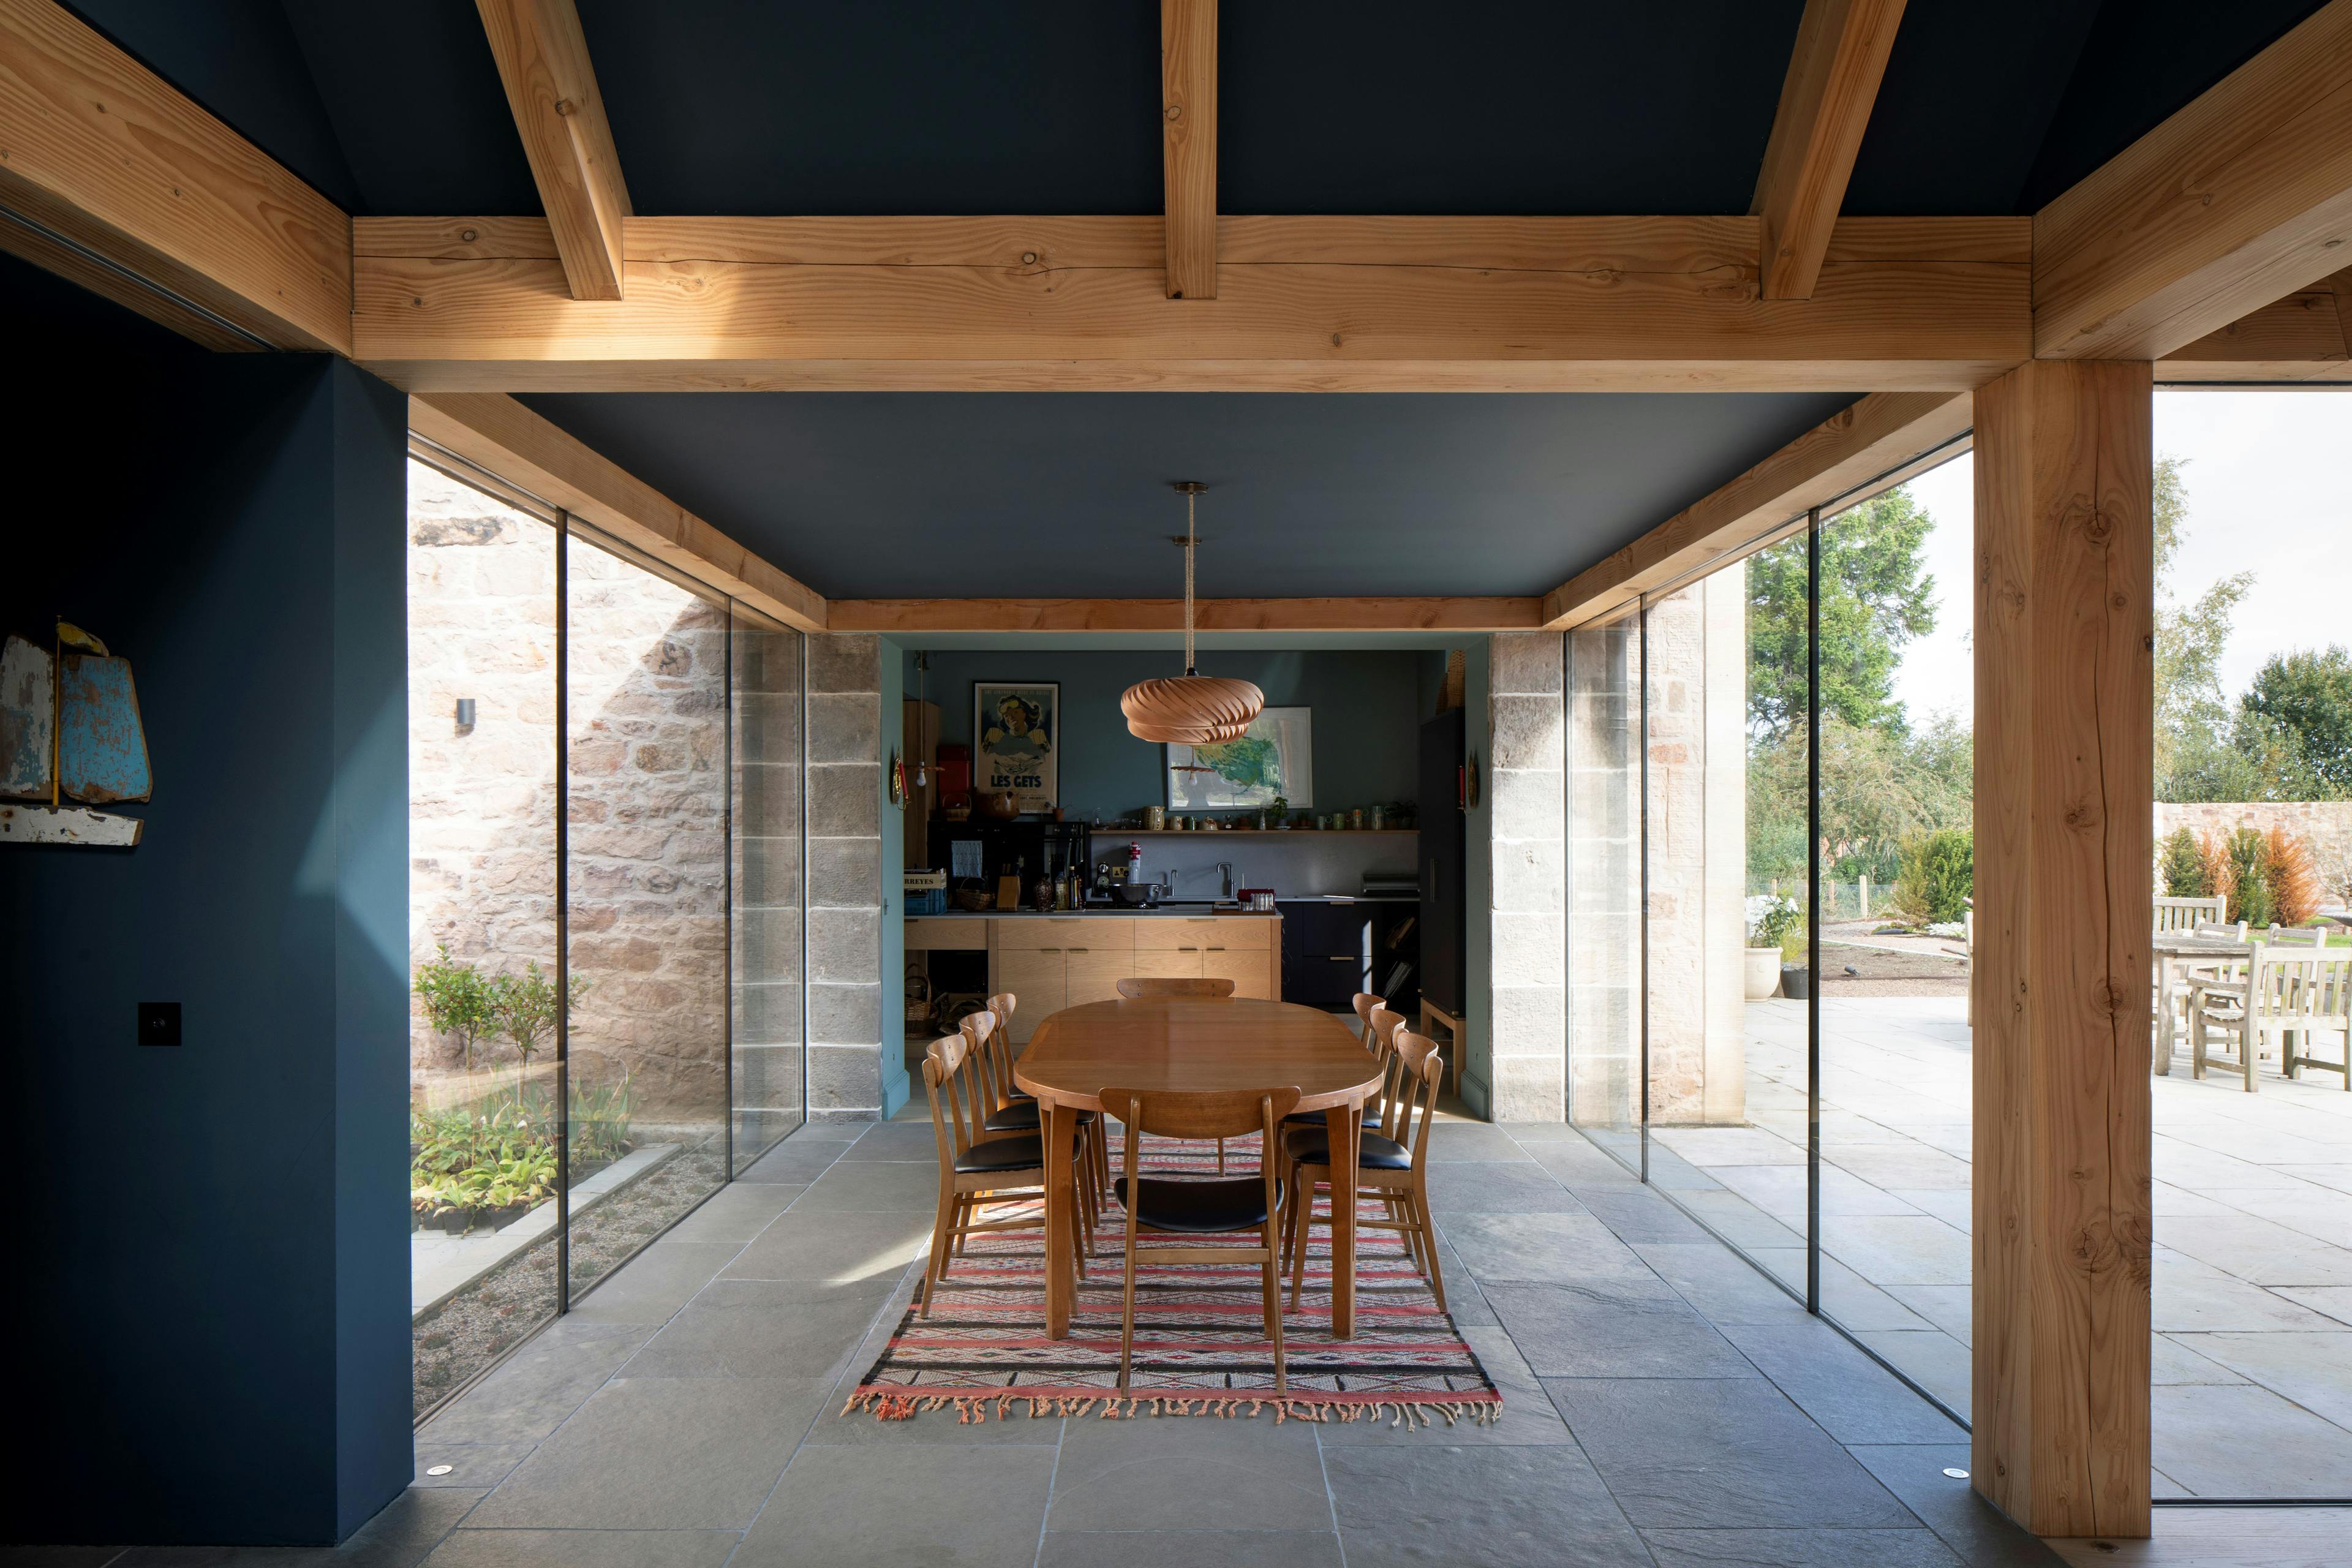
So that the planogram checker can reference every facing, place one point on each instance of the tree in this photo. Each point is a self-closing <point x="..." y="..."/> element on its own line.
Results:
<point x="1874" y="597"/>
<point x="2308" y="696"/>
<point x="2195" y="750"/>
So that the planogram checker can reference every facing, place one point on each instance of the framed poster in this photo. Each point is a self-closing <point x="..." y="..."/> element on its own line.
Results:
<point x="1275" y="757"/>
<point x="1016" y="741"/>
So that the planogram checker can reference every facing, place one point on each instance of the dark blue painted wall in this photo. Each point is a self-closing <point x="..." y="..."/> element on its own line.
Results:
<point x="209" y="1284"/>
<point x="1366" y="717"/>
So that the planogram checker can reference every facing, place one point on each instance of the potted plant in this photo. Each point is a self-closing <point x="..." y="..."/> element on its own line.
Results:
<point x="1770" y="918"/>
<point x="458" y="1001"/>
<point x="1277" y="812"/>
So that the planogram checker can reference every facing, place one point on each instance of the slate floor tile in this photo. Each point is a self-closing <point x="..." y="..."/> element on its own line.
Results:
<point x="792" y="1329"/>
<point x="844" y="1508"/>
<point x="2200" y="1437"/>
<point x="1528" y="1419"/>
<point x="1719" y="1454"/>
<point x="736" y="1213"/>
<point x="1613" y="1331"/>
<point x="839" y="1246"/>
<point x="585" y="1549"/>
<point x="1564" y="1248"/>
<point x="1849" y="1396"/>
<point x="651" y="1287"/>
<point x="1798" y="1549"/>
<point x="1496" y="1188"/>
<point x="907" y="1142"/>
<point x="1637" y="1215"/>
<point x="1980" y="1534"/>
<point x="849" y="1186"/>
<point x="1191" y="1549"/>
<point x="477" y="1466"/>
<point x="1476" y="1508"/>
<point x="1457" y="1142"/>
<point x="1160" y="1472"/>
<point x="547" y="1379"/>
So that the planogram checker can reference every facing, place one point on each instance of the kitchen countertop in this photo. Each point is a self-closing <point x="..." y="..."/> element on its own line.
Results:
<point x="1165" y="912"/>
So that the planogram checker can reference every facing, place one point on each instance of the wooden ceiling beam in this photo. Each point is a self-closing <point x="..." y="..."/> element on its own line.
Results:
<point x="1826" y="102"/>
<point x="124" y="184"/>
<point x="2301" y="338"/>
<point x="1851" y="448"/>
<point x="1141" y="616"/>
<point x="1188" y="137"/>
<point x="2241" y="197"/>
<point x="499" y="435"/>
<point x="542" y="57"/>
<point x="1583" y="304"/>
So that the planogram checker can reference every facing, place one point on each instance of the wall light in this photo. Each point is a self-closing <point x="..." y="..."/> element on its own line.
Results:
<point x="465" y="714"/>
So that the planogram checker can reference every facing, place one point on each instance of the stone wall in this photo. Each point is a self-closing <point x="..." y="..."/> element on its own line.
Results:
<point x="767" y="971"/>
<point x="2325" y="825"/>
<point x="1604" y="872"/>
<point x="1528" y="847"/>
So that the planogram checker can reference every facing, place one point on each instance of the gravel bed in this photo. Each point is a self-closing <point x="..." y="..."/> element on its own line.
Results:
<point x="482" y="1321"/>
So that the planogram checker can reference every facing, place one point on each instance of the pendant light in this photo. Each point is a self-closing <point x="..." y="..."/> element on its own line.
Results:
<point x="1192" y="708"/>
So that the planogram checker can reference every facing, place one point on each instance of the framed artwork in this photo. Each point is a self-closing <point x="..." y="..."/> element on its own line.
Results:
<point x="1017" y="740"/>
<point x="1277" y="757"/>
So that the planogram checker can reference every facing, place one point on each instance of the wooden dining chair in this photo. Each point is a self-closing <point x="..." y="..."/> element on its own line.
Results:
<point x="975" y="1171"/>
<point x="1136" y="987"/>
<point x="1394" y="1163"/>
<point x="1157" y="1206"/>
<point x="1009" y="1111"/>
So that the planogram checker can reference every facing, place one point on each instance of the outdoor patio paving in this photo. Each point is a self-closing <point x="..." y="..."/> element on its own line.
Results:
<point x="2253" y="1298"/>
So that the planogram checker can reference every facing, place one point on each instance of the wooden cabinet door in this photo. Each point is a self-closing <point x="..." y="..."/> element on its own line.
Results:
<point x="1039" y="981"/>
<point x="1094" y="975"/>
<point x="1250" y="970"/>
<point x="1169" y="963"/>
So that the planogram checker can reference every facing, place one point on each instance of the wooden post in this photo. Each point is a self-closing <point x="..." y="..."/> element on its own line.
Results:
<point x="2066" y="720"/>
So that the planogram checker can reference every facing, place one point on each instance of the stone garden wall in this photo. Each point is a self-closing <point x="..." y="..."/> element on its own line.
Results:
<point x="2325" y="825"/>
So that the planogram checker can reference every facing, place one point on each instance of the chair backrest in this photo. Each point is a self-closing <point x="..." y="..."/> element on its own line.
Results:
<point x="2304" y="984"/>
<point x="1380" y="1109"/>
<point x="989" y="1075"/>
<point x="1207" y="1114"/>
<point x="2295" y="936"/>
<point x="1138" y="986"/>
<point x="947" y="1082"/>
<point x="1420" y="1071"/>
<point x="2221" y="928"/>
<point x="2183" y="914"/>
<point x="1364" y="1002"/>
<point x="1002" y="1005"/>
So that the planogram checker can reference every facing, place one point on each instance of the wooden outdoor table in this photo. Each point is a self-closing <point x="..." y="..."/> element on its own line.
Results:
<point x="1195" y="1042"/>
<point x="2174" y="952"/>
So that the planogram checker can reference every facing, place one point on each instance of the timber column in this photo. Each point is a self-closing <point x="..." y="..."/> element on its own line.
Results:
<point x="2065" y="703"/>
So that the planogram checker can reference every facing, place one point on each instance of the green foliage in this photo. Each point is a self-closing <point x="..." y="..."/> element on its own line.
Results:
<point x="2250" y="890"/>
<point x="1781" y="924"/>
<point x="1938" y="876"/>
<point x="1875" y="598"/>
<point x="2308" y="697"/>
<point x="1881" y="787"/>
<point x="2193" y="718"/>
<point x="528" y="1008"/>
<point x="458" y="1001"/>
<point x="2182" y="866"/>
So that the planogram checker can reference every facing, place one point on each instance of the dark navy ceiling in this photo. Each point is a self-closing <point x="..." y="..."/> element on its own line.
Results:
<point x="1327" y="106"/>
<point x="1012" y="494"/>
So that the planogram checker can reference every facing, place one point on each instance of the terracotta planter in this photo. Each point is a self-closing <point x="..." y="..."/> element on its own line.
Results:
<point x="1762" y="974"/>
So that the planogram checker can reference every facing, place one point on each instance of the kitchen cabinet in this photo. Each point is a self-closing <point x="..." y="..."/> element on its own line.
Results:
<point x="1039" y="978"/>
<point x="1052" y="962"/>
<point x="1169" y="963"/>
<point x="1251" y="969"/>
<point x="1093" y="975"/>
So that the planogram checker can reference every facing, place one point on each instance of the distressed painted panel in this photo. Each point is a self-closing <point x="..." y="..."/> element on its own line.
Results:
<point x="101" y="748"/>
<point x="67" y="825"/>
<point x="24" y="719"/>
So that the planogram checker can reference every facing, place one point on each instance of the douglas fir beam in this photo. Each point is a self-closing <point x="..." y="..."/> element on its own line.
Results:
<point x="1333" y="304"/>
<point x="1188" y="132"/>
<point x="2298" y="339"/>
<point x="507" y="441"/>
<point x="1825" y="100"/>
<point x="2064" y="680"/>
<point x="542" y="58"/>
<point x="904" y="615"/>
<point x="115" y="179"/>
<point x="2239" y="198"/>
<point x="1848" y="449"/>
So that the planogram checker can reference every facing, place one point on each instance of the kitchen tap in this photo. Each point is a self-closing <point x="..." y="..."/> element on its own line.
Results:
<point x="1225" y="869"/>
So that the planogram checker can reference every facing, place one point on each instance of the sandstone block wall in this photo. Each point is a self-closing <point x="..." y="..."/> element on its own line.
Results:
<point x="1604" y="888"/>
<point x="845" y="878"/>
<point x="1526" y="778"/>
<point x="2325" y="825"/>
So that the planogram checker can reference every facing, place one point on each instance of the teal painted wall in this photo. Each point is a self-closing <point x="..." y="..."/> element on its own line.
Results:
<point x="1367" y="710"/>
<point x="1478" y="833"/>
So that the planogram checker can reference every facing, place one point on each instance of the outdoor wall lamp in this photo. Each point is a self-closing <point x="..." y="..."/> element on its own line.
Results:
<point x="465" y="715"/>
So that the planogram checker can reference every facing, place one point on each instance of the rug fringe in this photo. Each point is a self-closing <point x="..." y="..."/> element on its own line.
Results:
<point x="972" y="1409"/>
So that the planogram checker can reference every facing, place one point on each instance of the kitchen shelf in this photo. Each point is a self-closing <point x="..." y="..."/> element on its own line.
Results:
<point x="1254" y="832"/>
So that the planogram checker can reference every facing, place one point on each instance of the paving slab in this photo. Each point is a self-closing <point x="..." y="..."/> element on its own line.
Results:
<point x="847" y="1508"/>
<point x="1476" y="1508"/>
<point x="1169" y="1472"/>
<point x="1618" y="1329"/>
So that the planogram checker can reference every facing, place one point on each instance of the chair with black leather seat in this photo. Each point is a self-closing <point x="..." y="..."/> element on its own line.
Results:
<point x="1380" y="1027"/>
<point x="1005" y="1109"/>
<point x="975" y="1171"/>
<point x="1165" y="1208"/>
<point x="1392" y="1163"/>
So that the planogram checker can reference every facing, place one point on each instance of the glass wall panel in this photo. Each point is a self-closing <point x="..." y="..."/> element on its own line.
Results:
<point x="770" y="1097"/>
<point x="1728" y="709"/>
<point x="483" y="797"/>
<point x="1897" y="788"/>
<point x="647" y="783"/>
<point x="1604" y="868"/>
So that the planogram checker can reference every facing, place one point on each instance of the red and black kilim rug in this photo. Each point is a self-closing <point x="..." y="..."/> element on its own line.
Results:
<point x="1200" y="1342"/>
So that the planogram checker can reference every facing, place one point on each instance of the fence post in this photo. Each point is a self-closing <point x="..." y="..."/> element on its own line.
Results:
<point x="1865" y="895"/>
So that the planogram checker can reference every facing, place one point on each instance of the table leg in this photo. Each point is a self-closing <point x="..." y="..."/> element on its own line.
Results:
<point x="1345" y="1123"/>
<point x="1058" y="1124"/>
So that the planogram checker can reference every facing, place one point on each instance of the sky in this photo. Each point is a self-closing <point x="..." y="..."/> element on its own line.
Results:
<point x="2269" y="482"/>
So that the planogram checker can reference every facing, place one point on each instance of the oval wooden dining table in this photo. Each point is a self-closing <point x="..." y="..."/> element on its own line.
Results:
<point x="1195" y="1043"/>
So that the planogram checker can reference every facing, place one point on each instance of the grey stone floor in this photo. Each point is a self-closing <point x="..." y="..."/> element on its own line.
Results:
<point x="2252" y="1290"/>
<point x="1665" y="1406"/>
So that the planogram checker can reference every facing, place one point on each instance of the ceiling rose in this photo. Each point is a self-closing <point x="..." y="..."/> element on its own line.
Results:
<point x="1190" y="709"/>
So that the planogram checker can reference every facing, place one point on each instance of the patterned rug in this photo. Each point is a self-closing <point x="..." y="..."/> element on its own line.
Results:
<point x="1200" y="1345"/>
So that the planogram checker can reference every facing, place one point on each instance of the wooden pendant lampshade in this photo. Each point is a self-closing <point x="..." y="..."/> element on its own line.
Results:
<point x="1190" y="709"/>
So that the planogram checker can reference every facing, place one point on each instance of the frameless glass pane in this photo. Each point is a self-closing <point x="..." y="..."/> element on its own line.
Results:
<point x="1605" y="848"/>
<point x="483" y="795"/>
<point x="1728" y="709"/>
<point x="646" y="782"/>
<point x="770" y="1086"/>
<point x="1898" y="810"/>
<point x="2253" y="1146"/>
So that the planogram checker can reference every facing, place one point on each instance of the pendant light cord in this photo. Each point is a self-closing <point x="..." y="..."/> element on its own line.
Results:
<point x="1190" y="539"/>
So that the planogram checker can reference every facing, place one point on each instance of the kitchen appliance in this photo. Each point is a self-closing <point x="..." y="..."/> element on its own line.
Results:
<point x="991" y="848"/>
<point x="1139" y="895"/>
<point x="1258" y="900"/>
<point x="1445" y="798"/>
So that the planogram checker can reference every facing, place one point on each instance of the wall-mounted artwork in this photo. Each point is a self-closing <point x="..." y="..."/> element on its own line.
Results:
<point x="1016" y="730"/>
<point x="1275" y="757"/>
<point x="69" y="730"/>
